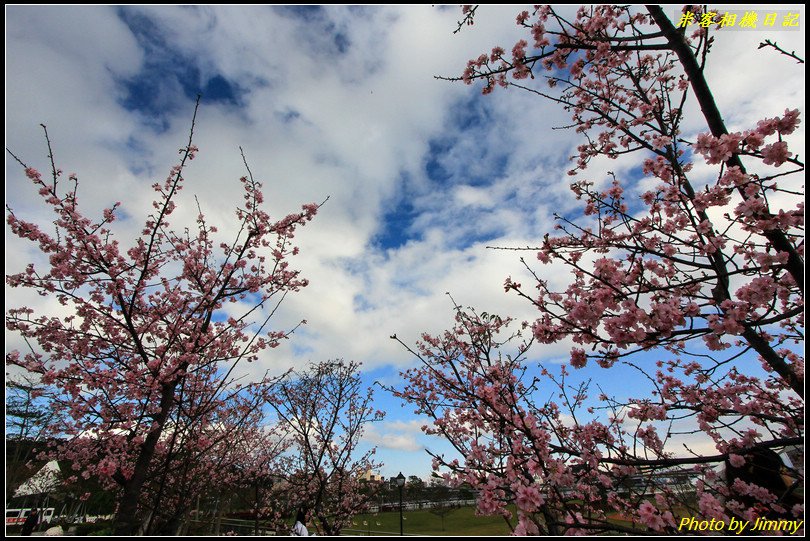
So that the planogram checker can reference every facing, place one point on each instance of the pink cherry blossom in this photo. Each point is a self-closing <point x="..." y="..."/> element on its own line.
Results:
<point x="529" y="498"/>
<point x="650" y="516"/>
<point x="776" y="153"/>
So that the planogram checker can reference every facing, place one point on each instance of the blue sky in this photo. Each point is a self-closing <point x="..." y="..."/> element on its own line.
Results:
<point x="422" y="174"/>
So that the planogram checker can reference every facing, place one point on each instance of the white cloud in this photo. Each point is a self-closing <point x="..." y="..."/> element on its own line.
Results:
<point x="398" y="435"/>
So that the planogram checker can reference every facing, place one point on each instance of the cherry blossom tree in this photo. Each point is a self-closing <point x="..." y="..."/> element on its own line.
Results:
<point x="211" y="446"/>
<point x="145" y="324"/>
<point x="258" y="472"/>
<point x="325" y="410"/>
<point x="696" y="285"/>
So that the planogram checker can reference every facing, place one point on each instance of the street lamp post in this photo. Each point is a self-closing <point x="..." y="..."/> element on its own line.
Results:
<point x="400" y="484"/>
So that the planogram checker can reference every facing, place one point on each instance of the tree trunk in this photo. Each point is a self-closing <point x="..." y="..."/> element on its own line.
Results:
<point x="778" y="239"/>
<point x="126" y="519"/>
<point x="256" y="512"/>
<point x="220" y="511"/>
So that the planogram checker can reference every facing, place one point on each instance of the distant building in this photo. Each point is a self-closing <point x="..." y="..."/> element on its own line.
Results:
<point x="652" y="482"/>
<point x="372" y="477"/>
<point x="48" y="479"/>
<point x="793" y="457"/>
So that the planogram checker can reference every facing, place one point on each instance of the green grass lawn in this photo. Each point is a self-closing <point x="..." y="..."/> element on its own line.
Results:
<point x="462" y="521"/>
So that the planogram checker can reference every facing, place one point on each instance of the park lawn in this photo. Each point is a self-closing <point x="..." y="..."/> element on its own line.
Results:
<point x="462" y="521"/>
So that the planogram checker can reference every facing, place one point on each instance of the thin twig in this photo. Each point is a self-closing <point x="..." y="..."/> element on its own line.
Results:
<point x="791" y="54"/>
<point x="55" y="173"/>
<point x="468" y="19"/>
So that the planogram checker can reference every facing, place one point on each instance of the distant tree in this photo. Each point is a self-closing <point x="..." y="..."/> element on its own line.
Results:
<point x="27" y="408"/>
<point x="704" y="269"/>
<point x="28" y="414"/>
<point x="440" y="496"/>
<point x="415" y="488"/>
<point x="442" y="509"/>
<point x="141" y="322"/>
<point x="325" y="410"/>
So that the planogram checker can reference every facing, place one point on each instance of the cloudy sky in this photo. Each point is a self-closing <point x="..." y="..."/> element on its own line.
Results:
<point x="341" y="102"/>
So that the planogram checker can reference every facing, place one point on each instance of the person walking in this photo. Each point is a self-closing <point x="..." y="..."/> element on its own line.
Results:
<point x="31" y="522"/>
<point x="300" y="527"/>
